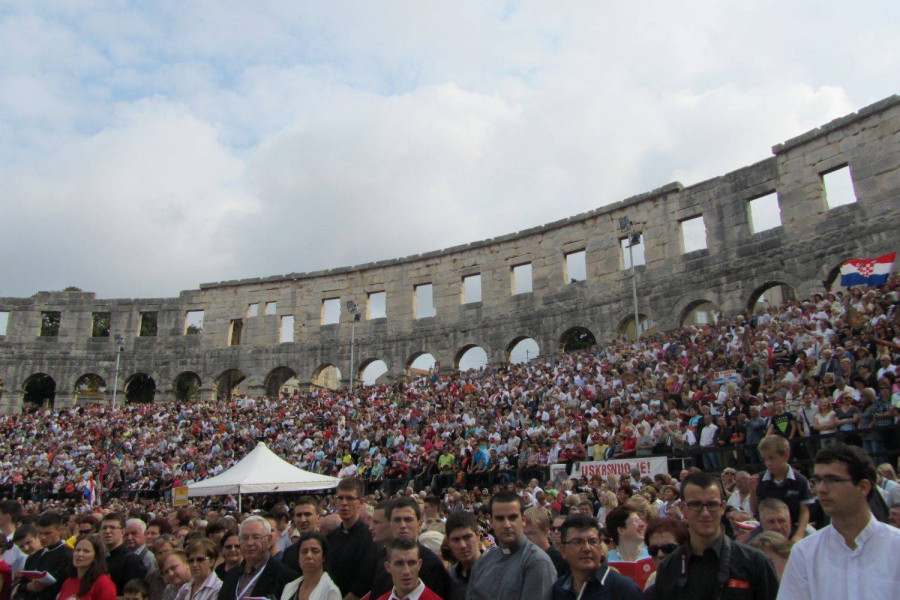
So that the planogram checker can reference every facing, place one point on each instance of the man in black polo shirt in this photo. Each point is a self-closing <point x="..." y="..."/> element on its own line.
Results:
<point x="55" y="558"/>
<point x="123" y="564"/>
<point x="711" y="566"/>
<point x="351" y="551"/>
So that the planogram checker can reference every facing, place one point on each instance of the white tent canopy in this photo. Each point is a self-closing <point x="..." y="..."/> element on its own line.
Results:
<point x="261" y="471"/>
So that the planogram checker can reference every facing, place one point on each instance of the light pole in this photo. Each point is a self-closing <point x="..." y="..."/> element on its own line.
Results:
<point x="634" y="238"/>
<point x="120" y="345"/>
<point x="351" y="308"/>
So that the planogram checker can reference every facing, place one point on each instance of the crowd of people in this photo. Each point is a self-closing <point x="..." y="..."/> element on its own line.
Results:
<point x="437" y="469"/>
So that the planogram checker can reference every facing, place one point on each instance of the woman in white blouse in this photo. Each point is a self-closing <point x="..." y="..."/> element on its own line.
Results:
<point x="315" y="584"/>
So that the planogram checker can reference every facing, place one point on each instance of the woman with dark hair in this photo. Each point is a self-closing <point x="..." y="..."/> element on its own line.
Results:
<point x="663" y="537"/>
<point x="204" y="583"/>
<point x="89" y="578"/>
<point x="230" y="556"/>
<point x="315" y="584"/>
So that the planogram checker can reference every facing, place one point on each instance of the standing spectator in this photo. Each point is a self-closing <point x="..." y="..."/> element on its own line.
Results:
<point x="204" y="584"/>
<point x="855" y="556"/>
<point x="10" y="513"/>
<point x="135" y="541"/>
<point x="55" y="558"/>
<point x="88" y="579"/>
<point x="711" y="565"/>
<point x="351" y="551"/>
<point x="259" y="575"/>
<point x="782" y="482"/>
<point x="463" y="538"/>
<point x="590" y="576"/>
<point x="123" y="564"/>
<point x="403" y="564"/>
<point x="315" y="583"/>
<point x="515" y="569"/>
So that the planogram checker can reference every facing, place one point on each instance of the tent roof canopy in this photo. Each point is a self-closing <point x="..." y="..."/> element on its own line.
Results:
<point x="261" y="471"/>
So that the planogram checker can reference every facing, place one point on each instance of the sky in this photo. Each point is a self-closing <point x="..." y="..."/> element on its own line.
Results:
<point x="148" y="147"/>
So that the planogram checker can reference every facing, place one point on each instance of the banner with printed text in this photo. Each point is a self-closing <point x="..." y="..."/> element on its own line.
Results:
<point x="649" y="466"/>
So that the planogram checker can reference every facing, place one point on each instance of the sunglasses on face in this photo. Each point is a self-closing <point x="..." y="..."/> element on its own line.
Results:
<point x="667" y="549"/>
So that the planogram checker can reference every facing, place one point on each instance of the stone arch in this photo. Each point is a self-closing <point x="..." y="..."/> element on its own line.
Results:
<point x="326" y="376"/>
<point x="89" y="388"/>
<point x="38" y="390"/>
<point x="139" y="388"/>
<point x="701" y="311"/>
<point x="576" y="338"/>
<point x="522" y="348"/>
<point x="470" y="357"/>
<point x="186" y="386"/>
<point x="276" y="380"/>
<point x="371" y="369"/>
<point x="775" y="291"/>
<point x="625" y="328"/>
<point x="420" y="362"/>
<point x="227" y="384"/>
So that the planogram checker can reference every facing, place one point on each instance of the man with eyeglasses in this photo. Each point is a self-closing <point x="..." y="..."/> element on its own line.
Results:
<point x="590" y="577"/>
<point x="351" y="551"/>
<point x="258" y="576"/>
<point x="855" y="556"/>
<point x="123" y="564"/>
<point x="711" y="566"/>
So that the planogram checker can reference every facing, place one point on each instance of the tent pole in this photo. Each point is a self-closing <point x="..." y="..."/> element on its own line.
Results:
<point x="239" y="499"/>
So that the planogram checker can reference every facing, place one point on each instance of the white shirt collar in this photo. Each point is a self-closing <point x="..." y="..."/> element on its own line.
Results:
<point x="413" y="595"/>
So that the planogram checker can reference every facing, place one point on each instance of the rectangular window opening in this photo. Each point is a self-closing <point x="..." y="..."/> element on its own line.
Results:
<point x="331" y="311"/>
<point x="636" y="241"/>
<point x="100" y="324"/>
<point x="193" y="324"/>
<point x="576" y="267"/>
<point x="376" y="307"/>
<point x="148" y="324"/>
<point x="234" y="333"/>
<point x="839" y="187"/>
<point x="424" y="301"/>
<point x="471" y="288"/>
<point x="765" y="213"/>
<point x="270" y="308"/>
<point x="4" y="321"/>
<point x="693" y="235"/>
<point x="253" y="310"/>
<point x="521" y="279"/>
<point x="286" y="335"/>
<point x="50" y="321"/>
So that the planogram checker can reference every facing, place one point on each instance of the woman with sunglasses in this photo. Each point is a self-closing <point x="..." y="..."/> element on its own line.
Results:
<point x="89" y="579"/>
<point x="204" y="583"/>
<point x="663" y="537"/>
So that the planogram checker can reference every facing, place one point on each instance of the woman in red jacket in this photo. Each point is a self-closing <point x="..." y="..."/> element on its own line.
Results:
<point x="89" y="579"/>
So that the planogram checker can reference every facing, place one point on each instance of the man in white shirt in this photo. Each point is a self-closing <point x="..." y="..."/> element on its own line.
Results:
<point x="855" y="556"/>
<point x="740" y="499"/>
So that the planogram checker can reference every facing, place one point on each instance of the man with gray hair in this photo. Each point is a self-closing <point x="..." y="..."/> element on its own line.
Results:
<point x="258" y="576"/>
<point x="135" y="541"/>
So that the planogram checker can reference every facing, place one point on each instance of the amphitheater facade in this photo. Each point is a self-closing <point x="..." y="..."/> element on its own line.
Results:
<point x="258" y="333"/>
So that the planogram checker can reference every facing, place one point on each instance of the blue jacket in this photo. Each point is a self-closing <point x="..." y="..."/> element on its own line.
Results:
<point x="606" y="584"/>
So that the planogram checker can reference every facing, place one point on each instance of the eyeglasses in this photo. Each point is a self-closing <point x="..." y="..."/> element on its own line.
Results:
<point x="829" y="480"/>
<point x="667" y="549"/>
<point x="232" y="547"/>
<point x="253" y="538"/>
<point x="697" y="507"/>
<point x="198" y="559"/>
<point x="110" y="527"/>
<point x="592" y="542"/>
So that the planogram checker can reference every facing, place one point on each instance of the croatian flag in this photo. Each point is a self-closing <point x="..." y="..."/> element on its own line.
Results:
<point x="90" y="491"/>
<point x="867" y="271"/>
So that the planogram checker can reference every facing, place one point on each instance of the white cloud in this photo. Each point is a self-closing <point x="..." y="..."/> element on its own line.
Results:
<point x="148" y="149"/>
